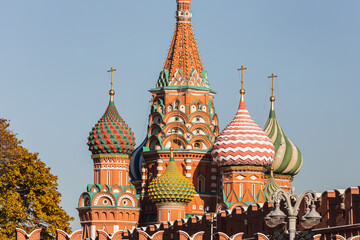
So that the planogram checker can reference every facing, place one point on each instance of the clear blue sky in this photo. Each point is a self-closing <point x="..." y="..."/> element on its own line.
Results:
<point x="54" y="85"/>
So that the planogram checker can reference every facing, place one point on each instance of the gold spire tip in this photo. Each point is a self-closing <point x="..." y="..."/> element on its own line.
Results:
<point x="242" y="90"/>
<point x="272" y="76"/>
<point x="171" y="144"/>
<point x="112" y="92"/>
<point x="272" y="98"/>
<point x="272" y="171"/>
<point x="171" y="152"/>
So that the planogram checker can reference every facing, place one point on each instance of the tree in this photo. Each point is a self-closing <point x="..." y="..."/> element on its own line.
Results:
<point x="29" y="196"/>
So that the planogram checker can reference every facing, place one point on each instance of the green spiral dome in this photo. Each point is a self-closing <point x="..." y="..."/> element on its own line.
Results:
<point x="288" y="158"/>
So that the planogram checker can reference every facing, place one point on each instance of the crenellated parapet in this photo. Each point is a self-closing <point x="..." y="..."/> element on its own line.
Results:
<point x="20" y="234"/>
<point x="141" y="234"/>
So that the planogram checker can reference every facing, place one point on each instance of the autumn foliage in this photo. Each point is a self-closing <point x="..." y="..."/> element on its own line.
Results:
<point x="29" y="197"/>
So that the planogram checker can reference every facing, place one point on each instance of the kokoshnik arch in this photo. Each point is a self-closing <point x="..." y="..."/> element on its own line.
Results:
<point x="184" y="166"/>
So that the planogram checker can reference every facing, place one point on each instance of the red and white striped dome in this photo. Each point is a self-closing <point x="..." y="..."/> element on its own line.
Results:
<point x="243" y="142"/>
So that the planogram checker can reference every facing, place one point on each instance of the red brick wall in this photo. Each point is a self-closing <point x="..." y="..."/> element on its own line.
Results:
<point x="22" y="235"/>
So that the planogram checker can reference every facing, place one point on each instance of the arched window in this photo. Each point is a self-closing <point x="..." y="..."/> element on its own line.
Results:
<point x="108" y="177"/>
<point x="169" y="215"/>
<point x="240" y="190"/>
<point x="179" y="214"/>
<point x="200" y="185"/>
<point x="253" y="190"/>
<point x="228" y="189"/>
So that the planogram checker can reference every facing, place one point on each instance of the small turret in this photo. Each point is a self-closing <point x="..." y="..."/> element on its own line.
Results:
<point x="111" y="142"/>
<point x="288" y="159"/>
<point x="243" y="151"/>
<point x="171" y="192"/>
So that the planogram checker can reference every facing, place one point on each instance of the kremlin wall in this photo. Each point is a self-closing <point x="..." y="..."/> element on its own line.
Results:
<point x="339" y="210"/>
<point x="188" y="179"/>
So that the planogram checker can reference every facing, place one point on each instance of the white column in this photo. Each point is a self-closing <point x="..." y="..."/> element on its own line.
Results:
<point x="292" y="227"/>
<point x="93" y="232"/>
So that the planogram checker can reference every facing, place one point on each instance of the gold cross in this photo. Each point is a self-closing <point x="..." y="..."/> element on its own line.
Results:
<point x="242" y="75"/>
<point x="112" y="83"/>
<point x="272" y="83"/>
<point x="171" y="144"/>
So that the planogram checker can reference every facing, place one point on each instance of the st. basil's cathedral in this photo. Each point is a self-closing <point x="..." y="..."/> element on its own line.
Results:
<point x="185" y="166"/>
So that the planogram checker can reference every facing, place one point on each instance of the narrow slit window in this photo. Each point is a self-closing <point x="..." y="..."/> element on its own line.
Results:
<point x="120" y="178"/>
<point x="97" y="177"/>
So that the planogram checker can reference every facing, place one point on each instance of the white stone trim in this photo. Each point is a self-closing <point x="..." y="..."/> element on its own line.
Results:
<point x="126" y="196"/>
<point x="104" y="195"/>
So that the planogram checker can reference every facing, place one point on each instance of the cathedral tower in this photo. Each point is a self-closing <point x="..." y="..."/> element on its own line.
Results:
<point x="110" y="203"/>
<point x="243" y="151"/>
<point x="182" y="106"/>
<point x="288" y="159"/>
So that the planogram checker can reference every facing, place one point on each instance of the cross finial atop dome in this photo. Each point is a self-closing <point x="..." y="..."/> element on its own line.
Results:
<point x="112" y="92"/>
<point x="272" y="98"/>
<point x="242" y="90"/>
<point x="111" y="135"/>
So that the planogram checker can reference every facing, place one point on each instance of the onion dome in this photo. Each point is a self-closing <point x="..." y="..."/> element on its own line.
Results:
<point x="136" y="162"/>
<point x="288" y="158"/>
<point x="271" y="186"/>
<point x="243" y="142"/>
<point x="111" y="134"/>
<point x="171" y="186"/>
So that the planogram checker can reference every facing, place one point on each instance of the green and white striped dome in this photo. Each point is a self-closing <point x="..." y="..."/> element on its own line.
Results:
<point x="288" y="158"/>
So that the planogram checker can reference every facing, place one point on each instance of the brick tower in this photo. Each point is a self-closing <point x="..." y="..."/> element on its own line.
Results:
<point x="243" y="151"/>
<point x="110" y="203"/>
<point x="182" y="106"/>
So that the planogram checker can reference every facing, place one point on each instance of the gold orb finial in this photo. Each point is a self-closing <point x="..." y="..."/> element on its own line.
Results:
<point x="112" y="92"/>
<point x="171" y="152"/>
<point x="242" y="90"/>
<point x="272" y="98"/>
